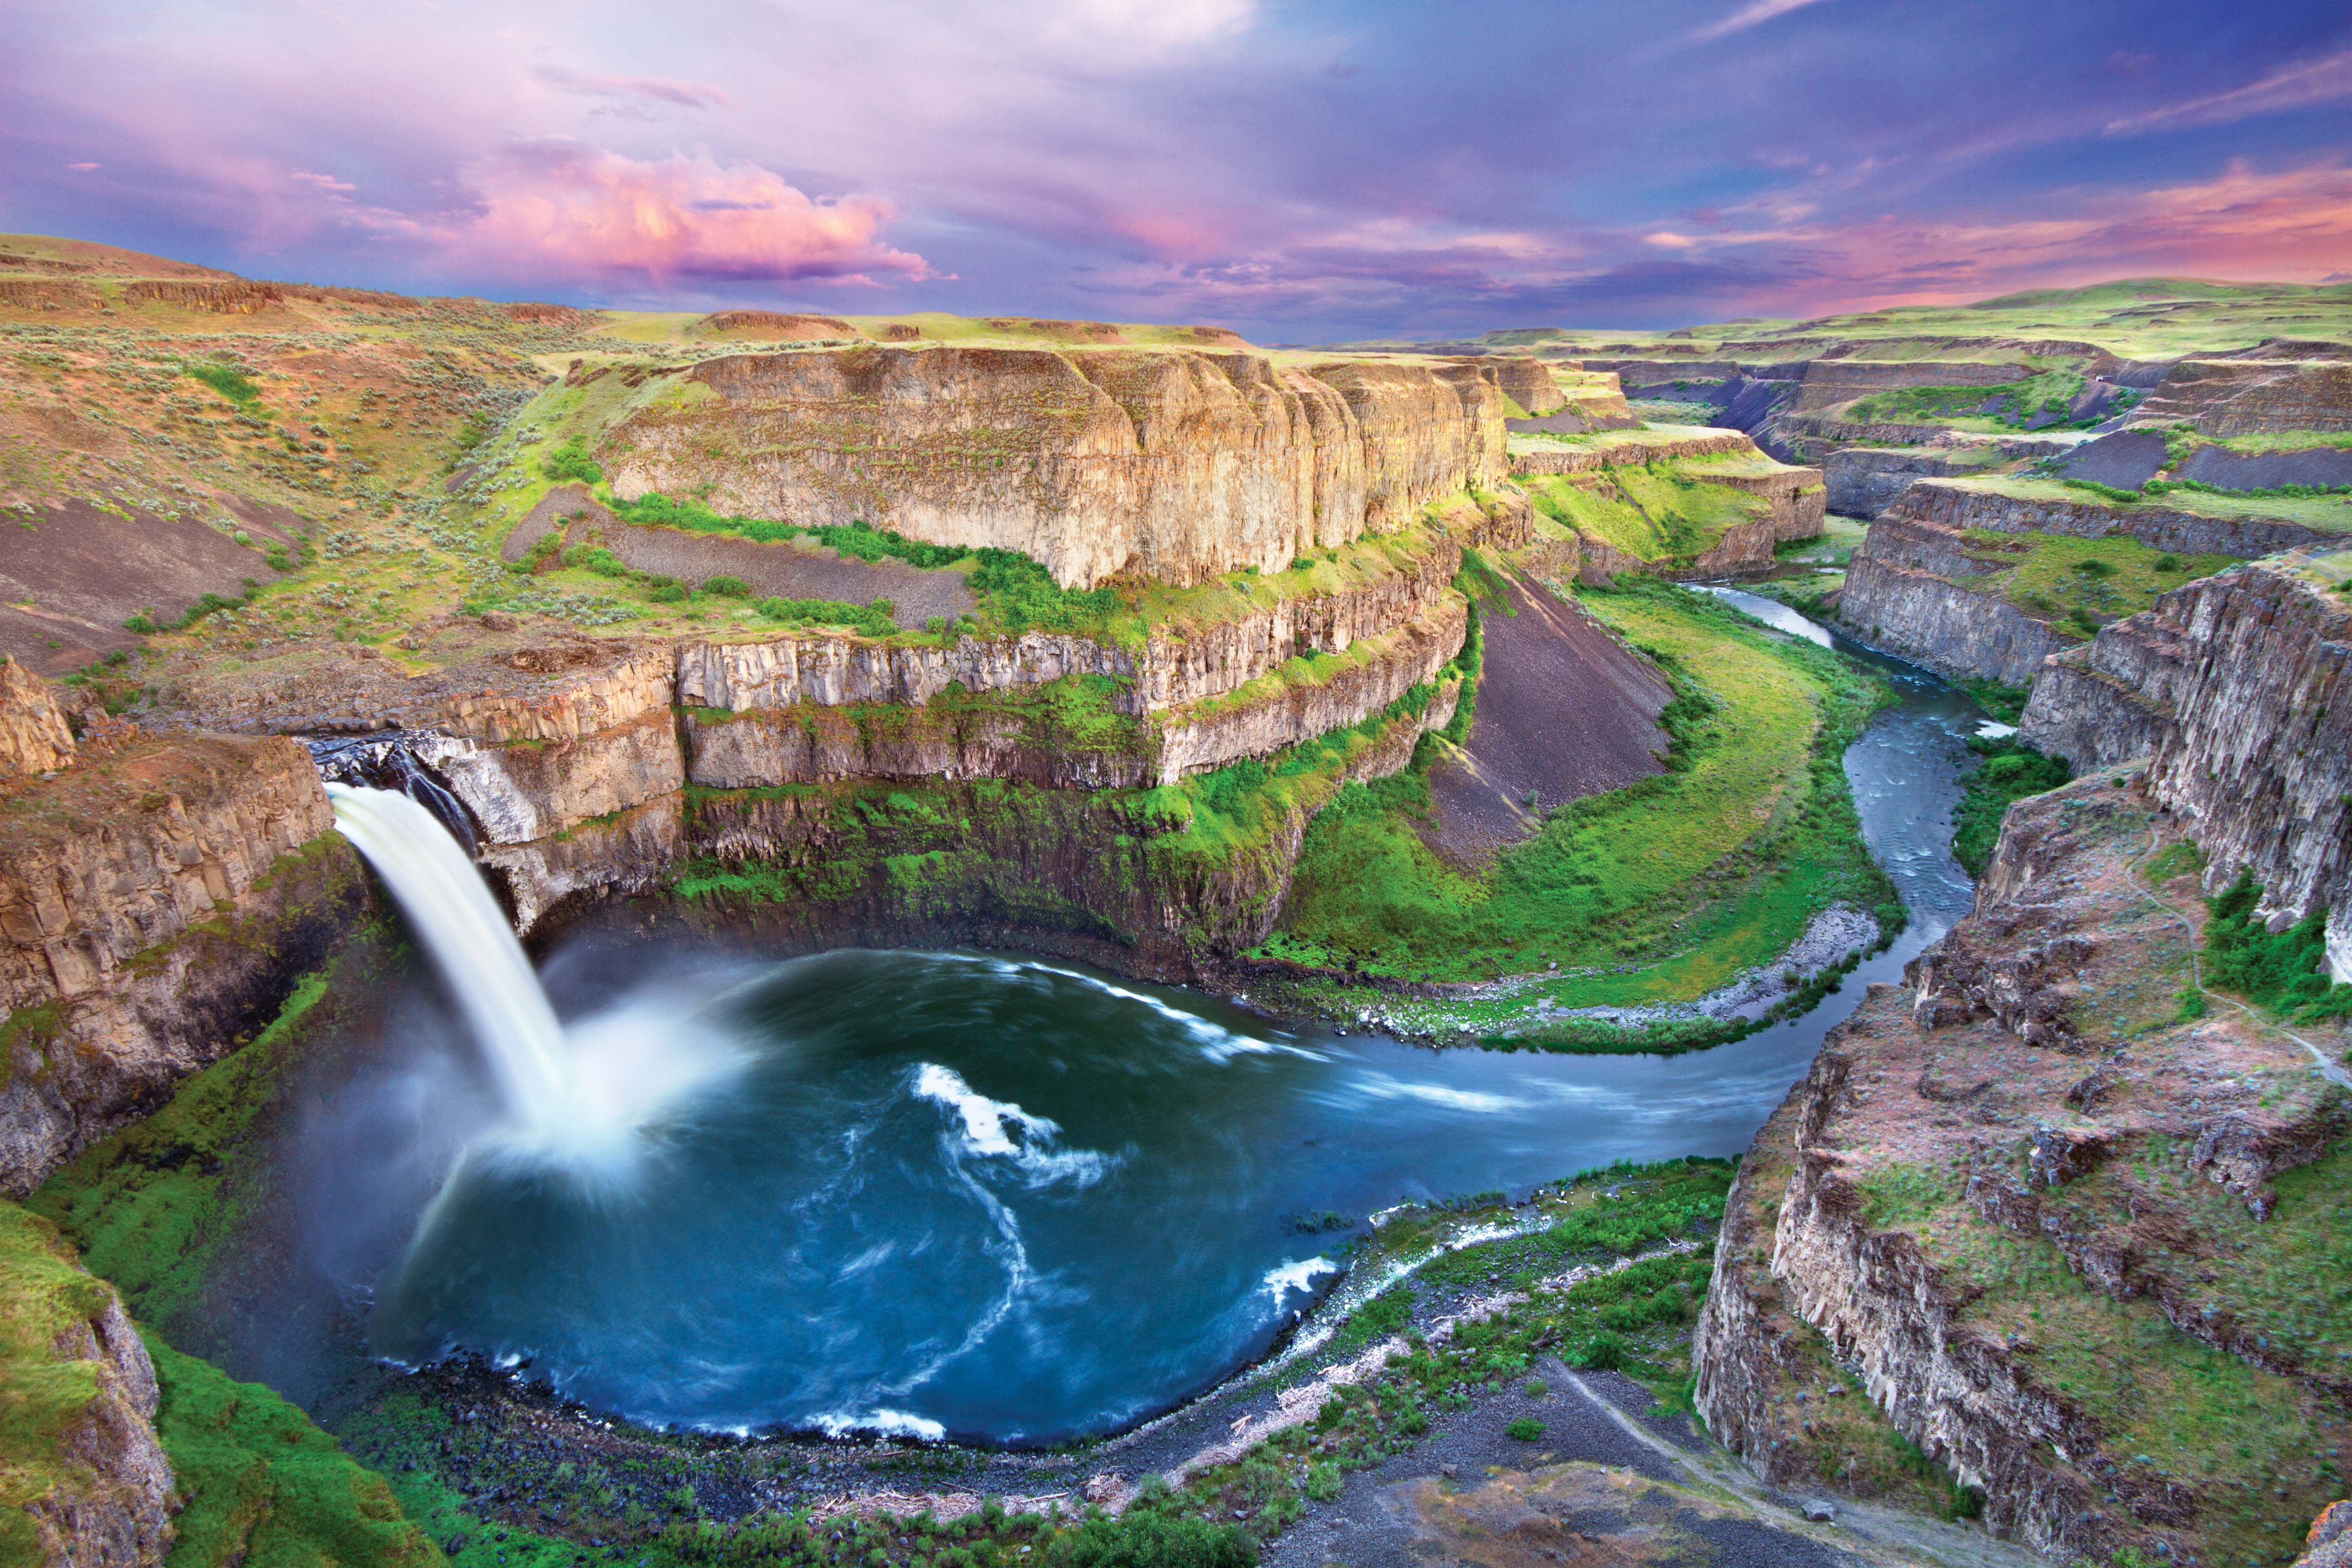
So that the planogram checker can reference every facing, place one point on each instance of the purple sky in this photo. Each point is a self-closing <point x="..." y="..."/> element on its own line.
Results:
<point x="1302" y="171"/>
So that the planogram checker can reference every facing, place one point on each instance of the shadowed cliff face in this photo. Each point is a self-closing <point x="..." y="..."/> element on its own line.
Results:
<point x="2235" y="686"/>
<point x="2058" y="1228"/>
<point x="1174" y="466"/>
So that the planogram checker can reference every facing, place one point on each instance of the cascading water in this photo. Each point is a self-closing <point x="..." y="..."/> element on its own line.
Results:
<point x="579" y="1096"/>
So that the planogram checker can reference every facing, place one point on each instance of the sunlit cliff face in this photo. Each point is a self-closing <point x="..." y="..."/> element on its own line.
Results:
<point x="1307" y="173"/>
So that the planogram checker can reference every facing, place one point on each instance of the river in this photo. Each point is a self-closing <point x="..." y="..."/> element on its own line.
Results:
<point x="1012" y="1201"/>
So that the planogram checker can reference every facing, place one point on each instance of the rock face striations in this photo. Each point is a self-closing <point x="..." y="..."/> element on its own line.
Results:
<point x="2237" y="687"/>
<point x="2032" y="1205"/>
<point x="2242" y="396"/>
<point x="1925" y="580"/>
<point x="1175" y="465"/>
<point x="157" y="903"/>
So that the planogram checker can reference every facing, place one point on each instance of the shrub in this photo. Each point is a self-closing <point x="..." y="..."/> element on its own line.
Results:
<point x="1526" y="1429"/>
<point x="2012" y="770"/>
<point x="571" y="461"/>
<point x="2283" y="971"/>
<point x="1151" y="1541"/>
<point x="1605" y="1351"/>
<point x="229" y="380"/>
<point x="2091" y="566"/>
<point x="727" y="587"/>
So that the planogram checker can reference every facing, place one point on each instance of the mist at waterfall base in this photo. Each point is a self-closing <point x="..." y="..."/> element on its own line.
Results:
<point x="974" y="1196"/>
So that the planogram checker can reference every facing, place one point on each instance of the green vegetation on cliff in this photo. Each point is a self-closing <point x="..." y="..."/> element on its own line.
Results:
<point x="1661" y="891"/>
<point x="2285" y="971"/>
<point x="2010" y="771"/>
<point x="2080" y="585"/>
<point x="265" y="1488"/>
<point x="42" y="1296"/>
<point x="1656" y="512"/>
<point x="152" y="1207"/>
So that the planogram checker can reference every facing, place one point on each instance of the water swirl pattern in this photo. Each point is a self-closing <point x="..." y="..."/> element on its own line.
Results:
<point x="980" y="1197"/>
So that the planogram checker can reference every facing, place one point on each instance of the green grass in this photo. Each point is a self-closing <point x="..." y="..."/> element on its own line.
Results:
<point x="1749" y="833"/>
<point x="229" y="380"/>
<point x="2010" y="771"/>
<point x="265" y="1488"/>
<point x="43" y="1294"/>
<point x="2081" y="584"/>
<point x="2284" y="971"/>
<point x="2281" y="440"/>
<point x="2003" y="703"/>
<point x="2168" y="1407"/>
<point x="2331" y="514"/>
<point x="1656" y="513"/>
<point x="2045" y="396"/>
<point x="147" y="1207"/>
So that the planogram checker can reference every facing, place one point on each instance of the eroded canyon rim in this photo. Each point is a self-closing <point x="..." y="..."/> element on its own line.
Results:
<point x="1356" y="683"/>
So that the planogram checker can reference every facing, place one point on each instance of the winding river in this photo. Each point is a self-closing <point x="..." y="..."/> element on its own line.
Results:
<point x="1012" y="1201"/>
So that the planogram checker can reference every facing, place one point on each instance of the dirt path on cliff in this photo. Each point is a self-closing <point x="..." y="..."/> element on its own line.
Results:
<point x="793" y="569"/>
<point x="1564" y="710"/>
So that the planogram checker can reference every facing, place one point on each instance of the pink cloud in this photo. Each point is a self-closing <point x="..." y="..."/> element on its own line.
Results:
<point x="661" y="88"/>
<point x="564" y="208"/>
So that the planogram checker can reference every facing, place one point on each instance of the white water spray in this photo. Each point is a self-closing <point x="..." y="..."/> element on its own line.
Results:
<point x="581" y="1095"/>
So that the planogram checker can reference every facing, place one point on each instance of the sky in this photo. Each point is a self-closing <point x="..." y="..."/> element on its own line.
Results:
<point x="1301" y="172"/>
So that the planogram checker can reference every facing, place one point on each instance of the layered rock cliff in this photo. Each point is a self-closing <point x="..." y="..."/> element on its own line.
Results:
<point x="1979" y="503"/>
<point x="2034" y="1206"/>
<point x="1912" y="587"/>
<point x="2241" y="396"/>
<point x="1176" y="466"/>
<point x="1862" y="482"/>
<point x="74" y="1370"/>
<point x="158" y="901"/>
<point x="33" y="734"/>
<point x="1917" y="583"/>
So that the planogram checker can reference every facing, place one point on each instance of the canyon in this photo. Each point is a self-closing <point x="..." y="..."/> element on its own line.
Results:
<point x="785" y="632"/>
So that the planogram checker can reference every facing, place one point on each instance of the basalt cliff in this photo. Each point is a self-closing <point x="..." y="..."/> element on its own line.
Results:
<point x="2048" y="1183"/>
<point x="1172" y="466"/>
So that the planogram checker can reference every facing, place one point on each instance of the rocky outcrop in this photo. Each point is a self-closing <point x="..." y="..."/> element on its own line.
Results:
<point x="1317" y="696"/>
<point x="109" y="1499"/>
<point x="1967" y="503"/>
<point x="1908" y="587"/>
<point x="33" y="734"/>
<point x="2259" y="747"/>
<point x="1984" y="1111"/>
<point x="1100" y="873"/>
<point x="2236" y="685"/>
<point x="1862" y="482"/>
<point x="1745" y="550"/>
<point x="157" y="903"/>
<point x="1525" y="381"/>
<point x="1624" y="450"/>
<point x="1828" y="382"/>
<point x="1173" y="465"/>
<point x="2241" y="397"/>
<point x="954" y="740"/>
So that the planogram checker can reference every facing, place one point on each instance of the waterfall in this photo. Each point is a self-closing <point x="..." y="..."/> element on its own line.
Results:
<point x="466" y="934"/>
<point x="583" y="1098"/>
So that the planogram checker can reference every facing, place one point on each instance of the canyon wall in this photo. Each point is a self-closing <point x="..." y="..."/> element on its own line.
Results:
<point x="98" y="1488"/>
<point x="1907" y="588"/>
<point x="2243" y="397"/>
<point x="158" y="901"/>
<point x="2027" y="1237"/>
<point x="1961" y="503"/>
<point x="1175" y="465"/>
<point x="1862" y="482"/>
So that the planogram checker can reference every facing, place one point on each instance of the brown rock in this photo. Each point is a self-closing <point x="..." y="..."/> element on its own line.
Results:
<point x="33" y="734"/>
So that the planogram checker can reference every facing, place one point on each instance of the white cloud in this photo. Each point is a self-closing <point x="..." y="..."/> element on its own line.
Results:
<point x="2315" y="81"/>
<point x="1754" y="14"/>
